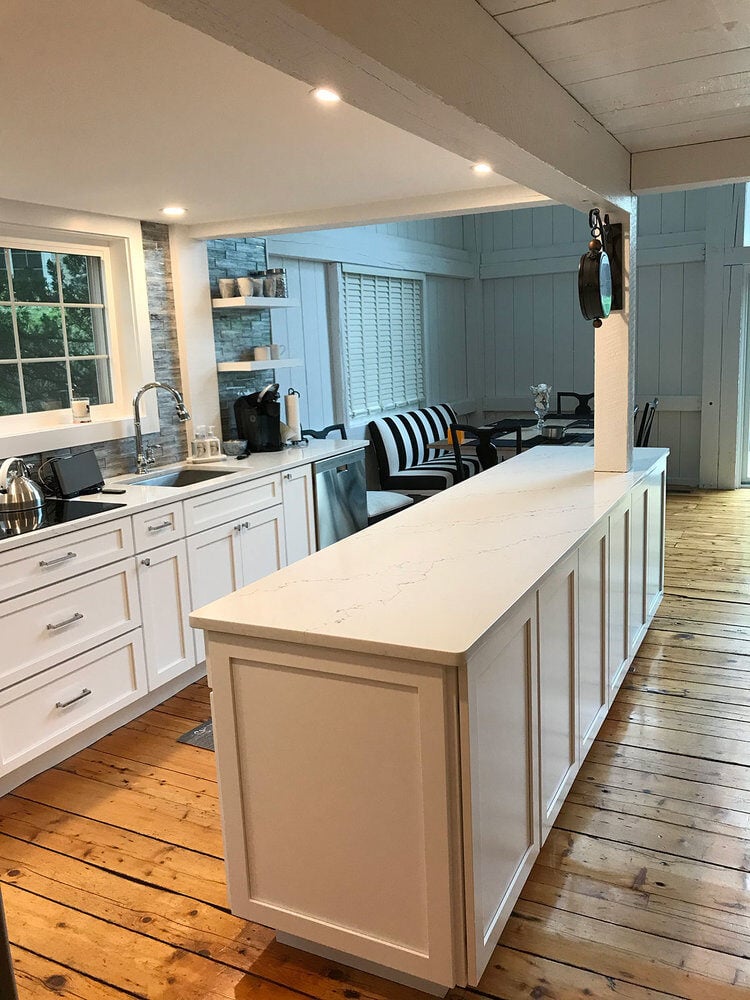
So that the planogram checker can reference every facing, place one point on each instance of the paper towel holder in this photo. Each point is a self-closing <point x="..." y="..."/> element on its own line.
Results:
<point x="296" y="425"/>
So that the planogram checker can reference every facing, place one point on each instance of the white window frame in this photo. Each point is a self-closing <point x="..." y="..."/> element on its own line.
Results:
<point x="119" y="244"/>
<point x="336" y="276"/>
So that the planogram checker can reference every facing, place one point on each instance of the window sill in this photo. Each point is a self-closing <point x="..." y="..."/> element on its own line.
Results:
<point x="68" y="435"/>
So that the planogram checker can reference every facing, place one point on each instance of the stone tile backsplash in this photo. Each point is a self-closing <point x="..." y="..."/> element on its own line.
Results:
<point x="237" y="333"/>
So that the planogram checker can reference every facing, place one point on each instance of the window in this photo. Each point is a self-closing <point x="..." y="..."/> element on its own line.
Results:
<point x="382" y="342"/>
<point x="53" y="330"/>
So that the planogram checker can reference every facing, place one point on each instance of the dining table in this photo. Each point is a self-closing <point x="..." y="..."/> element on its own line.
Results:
<point x="579" y="432"/>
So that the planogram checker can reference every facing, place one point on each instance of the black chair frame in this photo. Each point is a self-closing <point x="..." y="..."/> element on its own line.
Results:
<point x="322" y="435"/>
<point x="582" y="409"/>
<point x="644" y="431"/>
<point x="485" y="444"/>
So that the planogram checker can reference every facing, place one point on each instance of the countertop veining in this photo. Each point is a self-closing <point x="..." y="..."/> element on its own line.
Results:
<point x="433" y="579"/>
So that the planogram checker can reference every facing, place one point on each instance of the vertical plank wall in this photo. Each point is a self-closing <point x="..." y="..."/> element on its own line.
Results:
<point x="433" y="247"/>
<point x="501" y="311"/>
<point x="533" y="330"/>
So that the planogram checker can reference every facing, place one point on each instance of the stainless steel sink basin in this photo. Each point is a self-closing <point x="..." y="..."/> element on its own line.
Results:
<point x="179" y="477"/>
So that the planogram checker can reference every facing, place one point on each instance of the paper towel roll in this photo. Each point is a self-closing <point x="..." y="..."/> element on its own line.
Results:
<point x="291" y="403"/>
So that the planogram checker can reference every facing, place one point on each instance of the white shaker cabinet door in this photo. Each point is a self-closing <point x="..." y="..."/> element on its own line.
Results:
<point x="638" y="535"/>
<point x="262" y="544"/>
<point x="558" y="726"/>
<point x="165" y="607"/>
<point x="592" y="636"/>
<point x="619" y="596"/>
<point x="655" y="499"/>
<point x="499" y="778"/>
<point x="299" y="513"/>
<point x="215" y="567"/>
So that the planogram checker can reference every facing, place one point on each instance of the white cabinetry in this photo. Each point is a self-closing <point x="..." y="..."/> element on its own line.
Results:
<point x="500" y="778"/>
<point x="558" y="739"/>
<point x="593" y="596"/>
<point x="225" y="557"/>
<point x="299" y="513"/>
<point x="165" y="608"/>
<point x="618" y="653"/>
<point x="523" y="702"/>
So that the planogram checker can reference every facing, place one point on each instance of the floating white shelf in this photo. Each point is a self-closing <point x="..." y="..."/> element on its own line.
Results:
<point x="258" y="366"/>
<point x="254" y="302"/>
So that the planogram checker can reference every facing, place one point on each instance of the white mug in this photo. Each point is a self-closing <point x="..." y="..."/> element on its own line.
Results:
<point x="262" y="353"/>
<point x="277" y="351"/>
<point x="227" y="287"/>
<point x="245" y="286"/>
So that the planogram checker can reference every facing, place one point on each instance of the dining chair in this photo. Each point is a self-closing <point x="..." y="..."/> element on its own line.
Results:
<point x="644" y="430"/>
<point x="485" y="438"/>
<point x="380" y="503"/>
<point x="583" y="403"/>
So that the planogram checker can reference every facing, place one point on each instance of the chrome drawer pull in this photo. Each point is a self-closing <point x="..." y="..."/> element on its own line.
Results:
<point x="288" y="475"/>
<point x="160" y="525"/>
<point x="68" y="621"/>
<point x="79" y="697"/>
<point x="45" y="563"/>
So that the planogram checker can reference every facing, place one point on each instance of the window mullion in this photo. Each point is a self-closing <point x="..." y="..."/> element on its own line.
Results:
<point x="16" y="339"/>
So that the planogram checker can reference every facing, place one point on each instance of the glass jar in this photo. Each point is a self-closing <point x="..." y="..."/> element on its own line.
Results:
<point x="279" y="276"/>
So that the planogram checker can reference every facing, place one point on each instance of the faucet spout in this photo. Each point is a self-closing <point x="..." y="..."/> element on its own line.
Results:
<point x="144" y="455"/>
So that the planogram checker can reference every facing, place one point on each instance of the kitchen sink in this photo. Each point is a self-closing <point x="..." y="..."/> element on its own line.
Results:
<point x="179" y="477"/>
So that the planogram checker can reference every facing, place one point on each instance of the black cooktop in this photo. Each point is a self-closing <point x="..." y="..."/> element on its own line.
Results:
<point x="21" y="522"/>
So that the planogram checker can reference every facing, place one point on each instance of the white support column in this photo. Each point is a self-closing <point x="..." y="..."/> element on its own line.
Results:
<point x="195" y="328"/>
<point x="614" y="366"/>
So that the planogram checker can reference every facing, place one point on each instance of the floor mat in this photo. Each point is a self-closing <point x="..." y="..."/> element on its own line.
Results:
<point x="201" y="736"/>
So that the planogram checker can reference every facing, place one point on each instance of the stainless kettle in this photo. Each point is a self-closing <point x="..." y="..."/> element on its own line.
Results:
<point x="17" y="490"/>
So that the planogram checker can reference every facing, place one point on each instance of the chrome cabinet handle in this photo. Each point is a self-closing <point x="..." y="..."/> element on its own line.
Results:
<point x="288" y="475"/>
<point x="45" y="563"/>
<point x="79" y="697"/>
<point x="145" y="562"/>
<point x="160" y="525"/>
<point x="68" y="621"/>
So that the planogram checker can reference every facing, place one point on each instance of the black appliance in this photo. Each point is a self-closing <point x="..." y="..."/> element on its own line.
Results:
<point x="258" y="419"/>
<point x="21" y="522"/>
<point x="76" y="474"/>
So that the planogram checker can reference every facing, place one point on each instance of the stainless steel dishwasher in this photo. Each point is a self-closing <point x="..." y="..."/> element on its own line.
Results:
<point x="340" y="497"/>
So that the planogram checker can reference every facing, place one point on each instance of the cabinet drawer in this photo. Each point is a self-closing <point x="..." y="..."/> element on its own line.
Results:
<point x="40" y="713"/>
<point x="56" y="559"/>
<point x="219" y="506"/>
<point x="40" y="630"/>
<point x="157" y="527"/>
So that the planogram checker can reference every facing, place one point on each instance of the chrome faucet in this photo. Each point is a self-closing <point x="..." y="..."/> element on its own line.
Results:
<point x="145" y="456"/>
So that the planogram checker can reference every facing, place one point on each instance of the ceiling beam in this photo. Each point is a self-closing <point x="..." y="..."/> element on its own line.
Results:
<point x="725" y="161"/>
<point x="338" y="217"/>
<point x="440" y="69"/>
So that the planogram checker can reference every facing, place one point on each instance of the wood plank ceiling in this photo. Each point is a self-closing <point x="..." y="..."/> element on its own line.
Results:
<point x="654" y="73"/>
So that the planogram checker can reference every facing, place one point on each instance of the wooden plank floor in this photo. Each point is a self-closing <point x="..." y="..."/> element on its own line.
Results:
<point x="114" y="885"/>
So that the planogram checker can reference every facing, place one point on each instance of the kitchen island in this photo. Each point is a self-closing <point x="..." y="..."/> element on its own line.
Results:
<point x="399" y="717"/>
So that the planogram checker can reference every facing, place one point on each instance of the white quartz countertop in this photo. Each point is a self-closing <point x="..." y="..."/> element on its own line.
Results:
<point x="433" y="579"/>
<point x="141" y="497"/>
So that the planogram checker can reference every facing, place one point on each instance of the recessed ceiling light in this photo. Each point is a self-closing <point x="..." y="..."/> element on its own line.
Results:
<point x="173" y="210"/>
<point x="326" y="96"/>
<point x="482" y="168"/>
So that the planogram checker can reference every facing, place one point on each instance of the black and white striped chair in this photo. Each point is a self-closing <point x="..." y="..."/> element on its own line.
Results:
<point x="404" y="460"/>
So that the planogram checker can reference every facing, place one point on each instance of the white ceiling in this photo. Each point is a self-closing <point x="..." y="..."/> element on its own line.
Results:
<point x="112" y="107"/>
<point x="656" y="74"/>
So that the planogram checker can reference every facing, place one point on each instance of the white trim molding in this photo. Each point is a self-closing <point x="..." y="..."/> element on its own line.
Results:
<point x="121" y="243"/>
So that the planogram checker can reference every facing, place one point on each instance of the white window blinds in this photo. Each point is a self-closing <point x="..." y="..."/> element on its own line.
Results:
<point x="382" y="343"/>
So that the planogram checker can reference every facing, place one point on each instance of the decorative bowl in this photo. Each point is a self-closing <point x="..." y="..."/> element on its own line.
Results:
<point x="233" y="448"/>
<point x="554" y="432"/>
